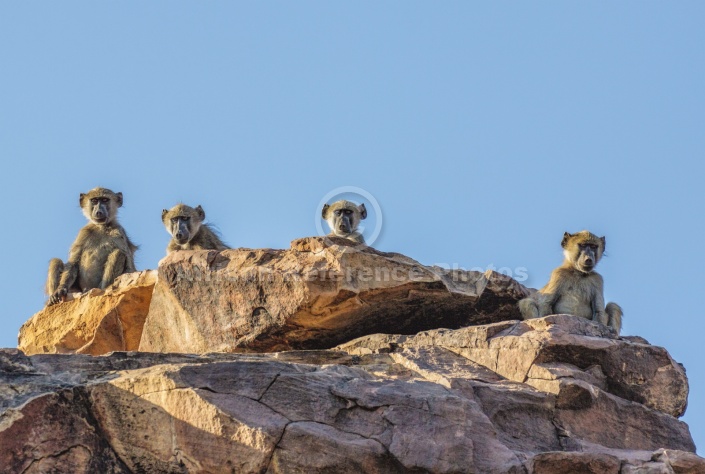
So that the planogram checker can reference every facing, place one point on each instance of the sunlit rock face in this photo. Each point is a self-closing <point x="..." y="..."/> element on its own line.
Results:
<point x="331" y="357"/>
<point x="557" y="394"/>
<point x="96" y="322"/>
<point x="319" y="293"/>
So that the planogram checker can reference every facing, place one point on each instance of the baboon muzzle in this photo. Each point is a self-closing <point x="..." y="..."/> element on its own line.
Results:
<point x="345" y="225"/>
<point x="100" y="214"/>
<point x="588" y="260"/>
<point x="182" y="233"/>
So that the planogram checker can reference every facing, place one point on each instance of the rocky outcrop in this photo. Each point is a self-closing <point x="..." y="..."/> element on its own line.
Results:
<point x="319" y="293"/>
<point x="600" y="389"/>
<point x="329" y="357"/>
<point x="554" y="395"/>
<point x="95" y="322"/>
<point x="572" y="358"/>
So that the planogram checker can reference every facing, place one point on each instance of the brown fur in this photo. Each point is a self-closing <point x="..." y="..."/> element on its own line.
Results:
<point x="343" y="217"/>
<point x="101" y="252"/>
<point x="187" y="230"/>
<point x="574" y="287"/>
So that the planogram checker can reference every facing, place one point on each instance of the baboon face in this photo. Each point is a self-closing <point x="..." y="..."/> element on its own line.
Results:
<point x="343" y="216"/>
<point x="183" y="222"/>
<point x="100" y="205"/>
<point x="583" y="250"/>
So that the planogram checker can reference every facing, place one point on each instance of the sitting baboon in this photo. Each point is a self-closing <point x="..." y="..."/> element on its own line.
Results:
<point x="188" y="232"/>
<point x="343" y="218"/>
<point x="575" y="288"/>
<point x="101" y="252"/>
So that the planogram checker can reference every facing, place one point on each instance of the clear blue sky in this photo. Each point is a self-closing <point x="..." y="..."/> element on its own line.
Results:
<point x="484" y="131"/>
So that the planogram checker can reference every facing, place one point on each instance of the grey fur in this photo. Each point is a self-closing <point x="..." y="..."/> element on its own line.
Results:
<point x="343" y="217"/>
<point x="187" y="230"/>
<point x="101" y="252"/>
<point x="574" y="287"/>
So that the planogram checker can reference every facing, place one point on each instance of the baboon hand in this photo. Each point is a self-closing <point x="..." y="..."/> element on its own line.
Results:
<point x="58" y="296"/>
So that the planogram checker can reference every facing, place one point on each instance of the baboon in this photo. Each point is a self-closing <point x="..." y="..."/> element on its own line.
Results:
<point x="101" y="252"/>
<point x="343" y="218"/>
<point x="188" y="232"/>
<point x="575" y="288"/>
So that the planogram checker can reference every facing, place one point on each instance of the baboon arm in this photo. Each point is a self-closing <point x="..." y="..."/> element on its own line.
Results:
<point x="546" y="302"/>
<point x="68" y="277"/>
<point x="549" y="294"/>
<point x="56" y="268"/>
<point x="114" y="267"/>
<point x="70" y="271"/>
<point x="598" y="306"/>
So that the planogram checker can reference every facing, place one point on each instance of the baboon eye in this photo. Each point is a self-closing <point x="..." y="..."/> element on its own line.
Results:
<point x="337" y="213"/>
<point x="348" y="212"/>
<point x="186" y="218"/>
<point x="94" y="200"/>
<point x="104" y="199"/>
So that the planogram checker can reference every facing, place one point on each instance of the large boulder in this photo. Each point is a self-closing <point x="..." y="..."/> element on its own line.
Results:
<point x="319" y="293"/>
<point x="95" y="322"/>
<point x="434" y="402"/>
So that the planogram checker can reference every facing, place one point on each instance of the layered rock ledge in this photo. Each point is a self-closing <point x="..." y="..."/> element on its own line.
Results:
<point x="553" y="395"/>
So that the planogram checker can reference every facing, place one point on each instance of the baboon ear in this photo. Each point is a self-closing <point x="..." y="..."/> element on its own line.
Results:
<point x="566" y="236"/>
<point x="80" y="199"/>
<point x="164" y="213"/>
<point x="604" y="243"/>
<point x="324" y="212"/>
<point x="363" y="211"/>
<point x="201" y="212"/>
<point x="119" y="199"/>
